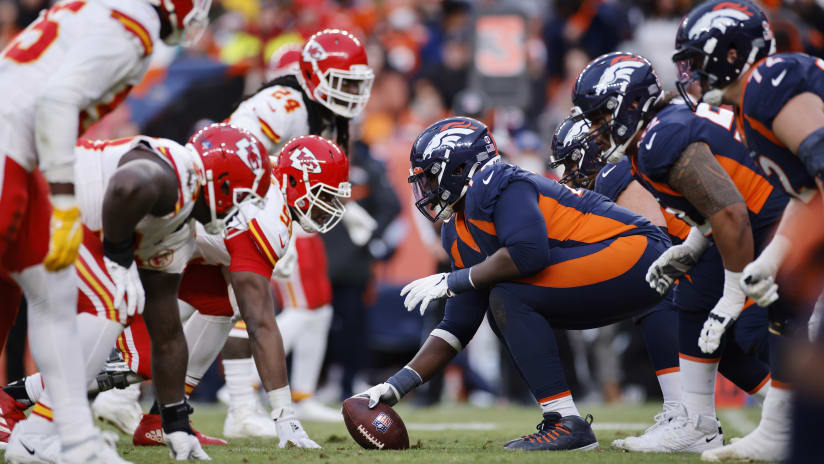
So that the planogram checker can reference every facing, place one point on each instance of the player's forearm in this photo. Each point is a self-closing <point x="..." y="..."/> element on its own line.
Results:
<point x="499" y="267"/>
<point x="433" y="356"/>
<point x="55" y="126"/>
<point x="732" y="234"/>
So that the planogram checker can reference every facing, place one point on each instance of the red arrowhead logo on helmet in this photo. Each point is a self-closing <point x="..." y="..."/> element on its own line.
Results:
<point x="304" y="160"/>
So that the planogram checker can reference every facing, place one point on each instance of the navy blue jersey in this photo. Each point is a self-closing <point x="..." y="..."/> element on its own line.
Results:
<point x="669" y="134"/>
<point x="771" y="83"/>
<point x="613" y="179"/>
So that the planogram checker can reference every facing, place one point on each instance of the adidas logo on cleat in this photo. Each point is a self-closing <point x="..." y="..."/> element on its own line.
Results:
<point x="155" y="436"/>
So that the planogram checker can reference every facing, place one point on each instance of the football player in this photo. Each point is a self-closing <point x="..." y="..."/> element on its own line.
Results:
<point x="729" y="49"/>
<point x="57" y="79"/>
<point x="538" y="254"/>
<point x="696" y="167"/>
<point x="144" y="195"/>
<point x="659" y="324"/>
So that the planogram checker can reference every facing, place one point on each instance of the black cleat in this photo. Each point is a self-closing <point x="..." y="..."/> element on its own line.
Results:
<point x="556" y="433"/>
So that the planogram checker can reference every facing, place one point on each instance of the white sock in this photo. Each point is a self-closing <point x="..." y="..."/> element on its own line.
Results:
<point x="698" y="387"/>
<point x="775" y="415"/>
<point x="291" y="323"/>
<point x="760" y="392"/>
<point x="309" y="351"/>
<point x="563" y="405"/>
<point x="238" y="373"/>
<point x="279" y="399"/>
<point x="35" y="387"/>
<point x="670" y="384"/>
<point x="52" y="300"/>
<point x="205" y="337"/>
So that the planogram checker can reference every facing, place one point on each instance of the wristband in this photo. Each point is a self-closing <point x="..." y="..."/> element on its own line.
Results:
<point x="120" y="252"/>
<point x="811" y="152"/>
<point x="460" y="281"/>
<point x="175" y="417"/>
<point x="405" y="380"/>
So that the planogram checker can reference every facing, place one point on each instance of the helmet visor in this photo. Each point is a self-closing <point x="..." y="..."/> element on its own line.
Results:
<point x="692" y="80"/>
<point x="426" y="190"/>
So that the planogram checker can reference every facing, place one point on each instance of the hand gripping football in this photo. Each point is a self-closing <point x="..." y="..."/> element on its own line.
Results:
<point x="378" y="428"/>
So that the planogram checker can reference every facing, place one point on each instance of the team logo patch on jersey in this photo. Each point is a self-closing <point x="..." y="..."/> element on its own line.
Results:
<point x="721" y="17"/>
<point x="304" y="160"/>
<point x="162" y="260"/>
<point x="617" y="75"/>
<point x="382" y="422"/>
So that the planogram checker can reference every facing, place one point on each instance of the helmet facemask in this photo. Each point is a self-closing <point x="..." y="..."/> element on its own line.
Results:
<point x="320" y="201"/>
<point x="344" y="92"/>
<point x="618" y="119"/>
<point x="434" y="201"/>
<point x="194" y="24"/>
<point x="242" y="197"/>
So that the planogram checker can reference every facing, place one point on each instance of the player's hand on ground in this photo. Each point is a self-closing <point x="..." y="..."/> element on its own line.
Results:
<point x="65" y="233"/>
<point x="716" y="324"/>
<point x="423" y="291"/>
<point x="184" y="446"/>
<point x="671" y="265"/>
<point x="381" y="393"/>
<point x="129" y="296"/>
<point x="290" y="430"/>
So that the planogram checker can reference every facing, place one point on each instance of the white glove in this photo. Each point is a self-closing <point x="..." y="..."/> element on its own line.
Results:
<point x="286" y="265"/>
<point x="127" y="286"/>
<point x="425" y="290"/>
<point x="677" y="260"/>
<point x="727" y="309"/>
<point x="289" y="429"/>
<point x="381" y="393"/>
<point x="184" y="446"/>
<point x="758" y="278"/>
<point x="359" y="224"/>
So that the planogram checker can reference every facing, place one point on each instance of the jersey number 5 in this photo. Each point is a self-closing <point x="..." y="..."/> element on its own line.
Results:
<point x="32" y="42"/>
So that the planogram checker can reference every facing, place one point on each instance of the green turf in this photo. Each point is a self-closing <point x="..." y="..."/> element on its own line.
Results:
<point x="430" y="447"/>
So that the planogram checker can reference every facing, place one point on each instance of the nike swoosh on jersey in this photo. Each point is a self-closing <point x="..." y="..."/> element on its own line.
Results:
<point x="604" y="174"/>
<point x="777" y="80"/>
<point x="486" y="181"/>
<point x="651" y="139"/>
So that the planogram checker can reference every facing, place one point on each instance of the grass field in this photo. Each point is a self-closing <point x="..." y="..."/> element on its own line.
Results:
<point x="458" y="434"/>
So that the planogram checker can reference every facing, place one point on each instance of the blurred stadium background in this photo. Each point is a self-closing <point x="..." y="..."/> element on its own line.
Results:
<point x="510" y="63"/>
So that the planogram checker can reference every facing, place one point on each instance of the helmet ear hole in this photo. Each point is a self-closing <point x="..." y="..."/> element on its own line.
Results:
<point x="224" y="187"/>
<point x="292" y="181"/>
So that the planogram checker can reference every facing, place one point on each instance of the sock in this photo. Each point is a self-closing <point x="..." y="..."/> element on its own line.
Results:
<point x="291" y="323"/>
<point x="205" y="337"/>
<point x="308" y="352"/>
<point x="775" y="415"/>
<point x="238" y="373"/>
<point x="760" y="392"/>
<point x="279" y="399"/>
<point x="19" y="392"/>
<point x="563" y="405"/>
<point x="698" y="386"/>
<point x="670" y="383"/>
<point x="41" y="420"/>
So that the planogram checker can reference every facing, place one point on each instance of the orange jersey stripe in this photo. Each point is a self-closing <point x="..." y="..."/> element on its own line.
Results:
<point x="167" y="154"/>
<point x="676" y="227"/>
<point x="753" y="187"/>
<point x="463" y="232"/>
<point x="137" y="29"/>
<point x="615" y="260"/>
<point x="268" y="131"/>
<point x="759" y="386"/>
<point x="97" y="287"/>
<point x="555" y="397"/>
<point x="486" y="226"/>
<point x="456" y="255"/>
<point x="697" y="359"/>
<point x="567" y="223"/>
<point x="260" y="238"/>
<point x="668" y="370"/>
<point x="43" y="411"/>
<point x="763" y="130"/>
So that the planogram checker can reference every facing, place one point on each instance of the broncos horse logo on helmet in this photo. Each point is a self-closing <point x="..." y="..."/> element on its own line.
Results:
<point x="704" y="40"/>
<point x="444" y="158"/>
<point x="573" y="149"/>
<point x="616" y="93"/>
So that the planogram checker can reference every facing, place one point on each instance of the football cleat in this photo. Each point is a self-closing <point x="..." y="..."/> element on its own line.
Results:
<point x="311" y="409"/>
<point x="95" y="450"/>
<point x="25" y="447"/>
<point x="556" y="433"/>
<point x="150" y="433"/>
<point x="247" y="422"/>
<point x="11" y="412"/>
<point x="119" y="408"/>
<point x="670" y="412"/>
<point x="681" y="434"/>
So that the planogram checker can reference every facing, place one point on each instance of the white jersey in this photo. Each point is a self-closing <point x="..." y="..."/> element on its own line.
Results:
<point x="163" y="243"/>
<point x="275" y="115"/>
<point x="270" y="228"/>
<point x="87" y="53"/>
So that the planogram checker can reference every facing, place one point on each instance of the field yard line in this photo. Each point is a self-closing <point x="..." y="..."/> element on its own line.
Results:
<point x="739" y="420"/>
<point x="492" y="426"/>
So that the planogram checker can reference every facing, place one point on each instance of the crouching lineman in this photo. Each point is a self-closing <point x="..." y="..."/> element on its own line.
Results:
<point x="76" y="62"/>
<point x="538" y="254"/>
<point x="145" y="194"/>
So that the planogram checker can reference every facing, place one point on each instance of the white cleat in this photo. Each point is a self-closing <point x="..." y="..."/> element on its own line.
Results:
<point x="96" y="450"/>
<point x="680" y="434"/>
<point x="248" y="421"/>
<point x="311" y="409"/>
<point x="26" y="448"/>
<point x="119" y="408"/>
<point x="671" y="411"/>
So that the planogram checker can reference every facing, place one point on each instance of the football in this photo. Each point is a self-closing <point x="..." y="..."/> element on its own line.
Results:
<point x="378" y="428"/>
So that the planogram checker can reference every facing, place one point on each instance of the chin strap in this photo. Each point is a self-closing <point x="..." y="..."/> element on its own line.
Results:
<point x="215" y="226"/>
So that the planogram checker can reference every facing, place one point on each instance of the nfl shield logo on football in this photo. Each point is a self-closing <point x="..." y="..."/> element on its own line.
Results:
<point x="382" y="422"/>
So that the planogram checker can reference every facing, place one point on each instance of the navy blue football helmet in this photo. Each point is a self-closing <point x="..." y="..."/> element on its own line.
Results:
<point x="704" y="39"/>
<point x="573" y="149"/>
<point x="444" y="158"/>
<point x="616" y="93"/>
